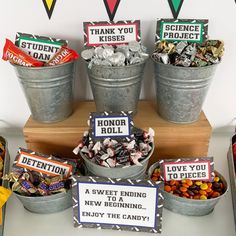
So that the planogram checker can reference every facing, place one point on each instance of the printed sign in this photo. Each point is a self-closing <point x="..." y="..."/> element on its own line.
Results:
<point x="118" y="204"/>
<point x="194" y="169"/>
<point x="43" y="165"/>
<point x="175" y="6"/>
<point x="39" y="47"/>
<point x="182" y="30"/>
<point x="111" y="125"/>
<point x="111" y="7"/>
<point x="112" y="33"/>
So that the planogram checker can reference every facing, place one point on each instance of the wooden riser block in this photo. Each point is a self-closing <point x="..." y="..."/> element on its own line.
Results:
<point x="171" y="140"/>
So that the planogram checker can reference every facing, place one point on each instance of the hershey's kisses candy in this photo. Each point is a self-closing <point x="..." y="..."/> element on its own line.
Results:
<point x="87" y="54"/>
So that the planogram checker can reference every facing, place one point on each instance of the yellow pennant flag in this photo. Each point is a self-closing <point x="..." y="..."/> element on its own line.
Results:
<point x="4" y="195"/>
<point x="49" y="6"/>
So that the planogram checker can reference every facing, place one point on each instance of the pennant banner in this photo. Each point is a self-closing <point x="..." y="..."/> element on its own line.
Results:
<point x="111" y="7"/>
<point x="49" y="6"/>
<point x="175" y="6"/>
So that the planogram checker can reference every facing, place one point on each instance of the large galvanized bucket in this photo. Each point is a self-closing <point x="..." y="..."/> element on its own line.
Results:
<point x="116" y="88"/>
<point x="130" y="172"/>
<point x="181" y="91"/>
<point x="48" y="90"/>
<point x="47" y="204"/>
<point x="190" y="207"/>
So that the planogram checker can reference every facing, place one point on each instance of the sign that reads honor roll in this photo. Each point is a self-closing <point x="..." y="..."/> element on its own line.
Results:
<point x="189" y="30"/>
<point x="111" y="125"/>
<point x="112" y="33"/>
<point x="39" y="47"/>
<point x="188" y="168"/>
<point x="118" y="204"/>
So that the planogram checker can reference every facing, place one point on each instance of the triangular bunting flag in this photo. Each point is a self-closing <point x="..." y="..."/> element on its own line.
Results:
<point x="175" y="6"/>
<point x="111" y="6"/>
<point x="49" y="6"/>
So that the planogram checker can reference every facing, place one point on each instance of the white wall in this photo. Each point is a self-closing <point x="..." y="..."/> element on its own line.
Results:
<point x="66" y="22"/>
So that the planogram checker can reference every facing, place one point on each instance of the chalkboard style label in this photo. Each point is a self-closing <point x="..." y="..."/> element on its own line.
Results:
<point x="119" y="204"/>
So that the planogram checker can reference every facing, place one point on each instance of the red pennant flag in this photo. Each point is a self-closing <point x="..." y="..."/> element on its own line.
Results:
<point x="111" y="7"/>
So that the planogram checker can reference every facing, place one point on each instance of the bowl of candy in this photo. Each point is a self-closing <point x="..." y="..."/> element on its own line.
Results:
<point x="190" y="197"/>
<point x="112" y="159"/>
<point x="41" y="182"/>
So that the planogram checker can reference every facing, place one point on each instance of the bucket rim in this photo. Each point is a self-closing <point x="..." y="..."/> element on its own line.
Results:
<point x="154" y="165"/>
<point x="44" y="67"/>
<point x="185" y="68"/>
<point x="118" y="67"/>
<point x="118" y="167"/>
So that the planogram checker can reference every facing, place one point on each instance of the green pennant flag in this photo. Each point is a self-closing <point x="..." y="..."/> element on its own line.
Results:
<point x="175" y="6"/>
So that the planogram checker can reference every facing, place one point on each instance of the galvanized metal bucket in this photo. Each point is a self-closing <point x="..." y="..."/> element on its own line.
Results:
<point x="116" y="88"/>
<point x="130" y="172"/>
<point x="46" y="204"/>
<point x="181" y="91"/>
<point x="48" y="90"/>
<point x="190" y="207"/>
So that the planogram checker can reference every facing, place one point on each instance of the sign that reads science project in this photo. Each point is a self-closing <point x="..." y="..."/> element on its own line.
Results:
<point x="194" y="169"/>
<point x="39" y="47"/>
<point x="112" y="33"/>
<point x="189" y="30"/>
<point x="117" y="204"/>
<point x="111" y="125"/>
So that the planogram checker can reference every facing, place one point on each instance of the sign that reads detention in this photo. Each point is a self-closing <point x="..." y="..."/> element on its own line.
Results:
<point x="117" y="204"/>
<point x="182" y="30"/>
<point x="112" y="125"/>
<point x="112" y="33"/>
<point x="39" y="47"/>
<point x="194" y="169"/>
<point x="43" y="165"/>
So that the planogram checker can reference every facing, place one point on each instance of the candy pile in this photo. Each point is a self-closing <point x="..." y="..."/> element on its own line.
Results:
<point x="111" y="153"/>
<point x="189" y="54"/>
<point x="120" y="55"/>
<point x="31" y="182"/>
<point x="2" y="155"/>
<point x="191" y="189"/>
<point x="17" y="56"/>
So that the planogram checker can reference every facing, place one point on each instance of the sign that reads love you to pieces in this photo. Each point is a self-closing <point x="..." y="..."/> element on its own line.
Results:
<point x="112" y="33"/>
<point x="39" y="47"/>
<point x="188" y="168"/>
<point x="117" y="204"/>
<point x="190" y="30"/>
<point x="111" y="125"/>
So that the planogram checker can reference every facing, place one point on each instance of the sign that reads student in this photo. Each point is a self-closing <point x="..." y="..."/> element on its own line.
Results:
<point x="110" y="124"/>
<point x="189" y="30"/>
<point x="112" y="33"/>
<point x="43" y="165"/>
<point x="188" y="168"/>
<point x="118" y="204"/>
<point x="39" y="47"/>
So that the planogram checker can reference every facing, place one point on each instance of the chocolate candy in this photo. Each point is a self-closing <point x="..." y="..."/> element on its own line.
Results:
<point x="192" y="189"/>
<point x="120" y="55"/>
<point x="17" y="56"/>
<point x="189" y="54"/>
<point x="110" y="153"/>
<point x="64" y="55"/>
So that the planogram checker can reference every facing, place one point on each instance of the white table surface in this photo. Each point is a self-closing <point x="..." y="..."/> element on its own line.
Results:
<point x="20" y="222"/>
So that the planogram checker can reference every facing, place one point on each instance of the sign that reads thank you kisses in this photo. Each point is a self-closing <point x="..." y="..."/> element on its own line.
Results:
<point x="112" y="33"/>
<point x="189" y="30"/>
<point x="111" y="125"/>
<point x="117" y="204"/>
<point x="188" y="168"/>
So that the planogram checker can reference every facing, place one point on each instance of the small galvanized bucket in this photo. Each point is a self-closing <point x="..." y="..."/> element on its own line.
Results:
<point x="116" y="88"/>
<point x="181" y="91"/>
<point x="48" y="90"/>
<point x="46" y="204"/>
<point x="130" y="172"/>
<point x="185" y="206"/>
